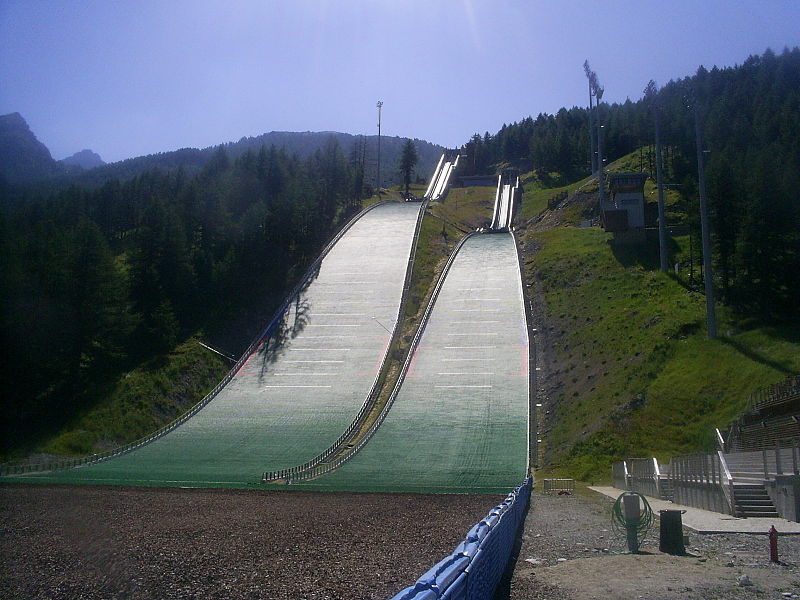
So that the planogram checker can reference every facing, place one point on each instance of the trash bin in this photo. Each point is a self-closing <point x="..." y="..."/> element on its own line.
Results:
<point x="671" y="532"/>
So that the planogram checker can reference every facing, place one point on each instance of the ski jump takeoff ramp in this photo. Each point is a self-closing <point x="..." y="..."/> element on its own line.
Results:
<point x="303" y="384"/>
<point x="459" y="423"/>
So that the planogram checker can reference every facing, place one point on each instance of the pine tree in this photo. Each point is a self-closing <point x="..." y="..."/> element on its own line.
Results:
<point x="408" y="160"/>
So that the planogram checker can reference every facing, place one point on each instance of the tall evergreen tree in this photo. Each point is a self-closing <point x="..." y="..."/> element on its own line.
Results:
<point x="408" y="160"/>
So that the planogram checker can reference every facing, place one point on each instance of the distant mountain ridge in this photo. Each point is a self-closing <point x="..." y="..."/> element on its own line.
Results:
<point x="85" y="159"/>
<point x="25" y="160"/>
<point x="303" y="144"/>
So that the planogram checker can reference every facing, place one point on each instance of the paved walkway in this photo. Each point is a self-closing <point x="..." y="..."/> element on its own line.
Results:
<point x="705" y="521"/>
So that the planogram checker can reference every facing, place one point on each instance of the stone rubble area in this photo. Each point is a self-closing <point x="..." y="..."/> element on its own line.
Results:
<point x="70" y="542"/>
<point x="87" y="542"/>
<point x="570" y="551"/>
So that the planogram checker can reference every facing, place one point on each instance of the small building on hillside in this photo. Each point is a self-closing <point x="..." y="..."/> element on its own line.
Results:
<point x="477" y="180"/>
<point x="622" y="212"/>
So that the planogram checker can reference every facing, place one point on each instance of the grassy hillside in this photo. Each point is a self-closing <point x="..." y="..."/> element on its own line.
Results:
<point x="627" y="369"/>
<point x="141" y="401"/>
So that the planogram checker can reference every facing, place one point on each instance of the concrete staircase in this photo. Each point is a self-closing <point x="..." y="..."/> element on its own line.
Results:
<point x="752" y="500"/>
<point x="750" y="494"/>
<point x="667" y="491"/>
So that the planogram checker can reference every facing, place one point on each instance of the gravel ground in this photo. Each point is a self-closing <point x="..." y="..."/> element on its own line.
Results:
<point x="570" y="551"/>
<point x="87" y="542"/>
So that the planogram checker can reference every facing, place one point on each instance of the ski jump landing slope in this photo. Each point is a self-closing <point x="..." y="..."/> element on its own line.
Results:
<point x="302" y="387"/>
<point x="460" y="421"/>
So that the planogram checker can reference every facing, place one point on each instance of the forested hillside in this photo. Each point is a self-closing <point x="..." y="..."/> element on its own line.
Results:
<point x="750" y="115"/>
<point x="98" y="281"/>
<point x="26" y="162"/>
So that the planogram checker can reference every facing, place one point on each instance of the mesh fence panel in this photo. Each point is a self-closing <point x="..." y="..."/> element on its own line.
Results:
<point x="476" y="566"/>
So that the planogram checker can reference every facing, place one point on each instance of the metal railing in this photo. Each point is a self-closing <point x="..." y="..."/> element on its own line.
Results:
<point x="558" y="486"/>
<point x="441" y="176"/>
<point x="435" y="177"/>
<point x="312" y="471"/>
<point x="763" y="434"/>
<point x="703" y="481"/>
<point x="767" y="462"/>
<point x="644" y="476"/>
<point x="775" y="394"/>
<point x="60" y="465"/>
<point x="294" y="473"/>
<point x="721" y="443"/>
<point x="619" y="475"/>
<point x="504" y="201"/>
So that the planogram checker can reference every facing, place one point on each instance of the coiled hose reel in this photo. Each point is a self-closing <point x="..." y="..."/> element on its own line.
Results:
<point x="633" y="517"/>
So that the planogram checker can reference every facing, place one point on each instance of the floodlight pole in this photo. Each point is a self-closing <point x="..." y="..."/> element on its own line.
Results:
<point x="708" y="276"/>
<point x="592" y="152"/>
<point x="651" y="92"/>
<point x="662" y="218"/>
<point x="600" y="167"/>
<point x="379" y="105"/>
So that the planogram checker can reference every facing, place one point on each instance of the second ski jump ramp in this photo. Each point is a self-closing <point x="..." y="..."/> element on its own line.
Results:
<point x="459" y="423"/>
<point x="300" y="388"/>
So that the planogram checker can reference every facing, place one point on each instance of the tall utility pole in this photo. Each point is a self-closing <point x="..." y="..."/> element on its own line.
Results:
<point x="708" y="276"/>
<point x="592" y="151"/>
<point x="601" y="175"/>
<point x="597" y="90"/>
<point x="378" y="186"/>
<point x="651" y="93"/>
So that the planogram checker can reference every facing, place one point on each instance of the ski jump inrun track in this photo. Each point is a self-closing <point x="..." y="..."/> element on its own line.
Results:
<point x="458" y="421"/>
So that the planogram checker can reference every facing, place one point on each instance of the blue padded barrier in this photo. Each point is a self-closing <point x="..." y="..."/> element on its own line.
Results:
<point x="457" y="589"/>
<point x="412" y="593"/>
<point x="491" y="520"/>
<point x="467" y="548"/>
<point x="478" y="532"/>
<point x="449" y="574"/>
<point x="475" y="567"/>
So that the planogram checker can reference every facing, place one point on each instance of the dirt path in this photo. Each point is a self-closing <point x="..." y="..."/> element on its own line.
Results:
<point x="570" y="551"/>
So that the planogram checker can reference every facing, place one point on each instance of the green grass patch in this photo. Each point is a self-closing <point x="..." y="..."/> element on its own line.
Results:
<point x="537" y="194"/>
<point x="469" y="207"/>
<point x="141" y="401"/>
<point x="639" y="377"/>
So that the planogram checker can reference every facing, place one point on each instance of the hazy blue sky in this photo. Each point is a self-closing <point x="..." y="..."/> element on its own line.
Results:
<point x="127" y="78"/>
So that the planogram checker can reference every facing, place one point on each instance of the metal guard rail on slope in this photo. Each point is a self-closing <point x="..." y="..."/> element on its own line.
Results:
<point x="775" y="393"/>
<point x="372" y="397"/>
<point x="297" y="474"/>
<point x="102" y="456"/>
<point x="434" y="177"/>
<point x="441" y="176"/>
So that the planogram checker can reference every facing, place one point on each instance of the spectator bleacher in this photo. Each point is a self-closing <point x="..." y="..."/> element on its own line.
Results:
<point x="773" y="419"/>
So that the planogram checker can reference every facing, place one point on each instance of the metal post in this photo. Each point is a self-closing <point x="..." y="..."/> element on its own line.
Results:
<point x="794" y="456"/>
<point x="651" y="92"/>
<point x="708" y="274"/>
<point x="713" y="487"/>
<point x="378" y="186"/>
<point x="592" y="152"/>
<point x="600" y="166"/>
<point x="778" y="468"/>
